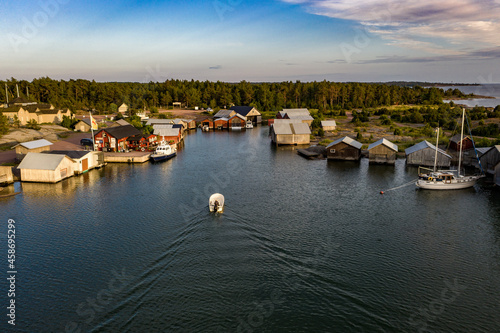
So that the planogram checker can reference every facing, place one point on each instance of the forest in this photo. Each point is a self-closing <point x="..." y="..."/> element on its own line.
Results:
<point x="105" y="97"/>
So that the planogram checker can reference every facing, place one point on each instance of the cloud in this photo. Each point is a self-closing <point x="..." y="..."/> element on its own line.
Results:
<point x="491" y="53"/>
<point x="215" y="67"/>
<point x="433" y="26"/>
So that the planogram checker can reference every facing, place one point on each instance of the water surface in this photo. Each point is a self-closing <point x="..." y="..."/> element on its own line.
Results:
<point x="303" y="246"/>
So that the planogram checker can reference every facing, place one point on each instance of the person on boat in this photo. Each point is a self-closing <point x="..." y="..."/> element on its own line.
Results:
<point x="216" y="205"/>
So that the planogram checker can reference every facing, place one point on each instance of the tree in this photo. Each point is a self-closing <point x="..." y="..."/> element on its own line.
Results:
<point x="113" y="107"/>
<point x="17" y="122"/>
<point x="68" y="122"/>
<point x="4" y="124"/>
<point x="33" y="124"/>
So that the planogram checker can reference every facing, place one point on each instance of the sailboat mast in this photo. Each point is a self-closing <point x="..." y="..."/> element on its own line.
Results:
<point x="461" y="142"/>
<point x="436" y="154"/>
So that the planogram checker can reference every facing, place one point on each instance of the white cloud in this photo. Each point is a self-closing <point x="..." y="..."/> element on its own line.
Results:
<point x="441" y="27"/>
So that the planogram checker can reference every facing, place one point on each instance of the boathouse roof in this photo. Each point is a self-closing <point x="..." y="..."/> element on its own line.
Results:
<point x="121" y="132"/>
<point x="384" y="142"/>
<point x="167" y="131"/>
<point x="122" y="122"/>
<point x="74" y="154"/>
<point x="348" y="141"/>
<point x="224" y="113"/>
<point x="456" y="138"/>
<point x="41" y="161"/>
<point x="423" y="145"/>
<point x="159" y="121"/>
<point x="328" y="123"/>
<point x="35" y="144"/>
<point x="243" y="110"/>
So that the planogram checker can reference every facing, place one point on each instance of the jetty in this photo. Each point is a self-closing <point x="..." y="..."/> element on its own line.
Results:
<point x="129" y="157"/>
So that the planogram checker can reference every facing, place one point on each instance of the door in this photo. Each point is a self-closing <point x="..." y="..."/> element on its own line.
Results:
<point x="85" y="165"/>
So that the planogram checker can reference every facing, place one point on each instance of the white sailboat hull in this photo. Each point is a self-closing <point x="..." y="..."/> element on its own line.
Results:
<point x="455" y="184"/>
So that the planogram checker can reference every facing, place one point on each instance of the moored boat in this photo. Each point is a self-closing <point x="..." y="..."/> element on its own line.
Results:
<point x="248" y="124"/>
<point x="445" y="179"/>
<point x="163" y="152"/>
<point x="216" y="203"/>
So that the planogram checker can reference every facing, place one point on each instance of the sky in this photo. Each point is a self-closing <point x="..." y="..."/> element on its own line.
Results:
<point x="257" y="41"/>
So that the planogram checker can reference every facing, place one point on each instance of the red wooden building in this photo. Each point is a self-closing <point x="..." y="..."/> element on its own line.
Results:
<point x="455" y="143"/>
<point x="142" y="141"/>
<point x="207" y="122"/>
<point x="221" y="123"/>
<point x="169" y="135"/>
<point x="237" y="121"/>
<point x="114" y="138"/>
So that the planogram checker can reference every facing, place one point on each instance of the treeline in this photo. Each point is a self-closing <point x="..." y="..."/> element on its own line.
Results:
<point x="107" y="96"/>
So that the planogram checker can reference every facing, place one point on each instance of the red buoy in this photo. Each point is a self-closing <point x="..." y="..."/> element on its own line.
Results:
<point x="381" y="192"/>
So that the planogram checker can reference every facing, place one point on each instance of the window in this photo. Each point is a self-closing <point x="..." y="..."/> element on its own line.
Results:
<point x="332" y="151"/>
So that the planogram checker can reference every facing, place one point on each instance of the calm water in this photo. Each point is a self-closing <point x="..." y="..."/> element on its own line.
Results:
<point x="492" y="89"/>
<point x="303" y="246"/>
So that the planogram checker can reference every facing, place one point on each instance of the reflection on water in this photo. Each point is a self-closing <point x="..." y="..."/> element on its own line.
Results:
<point x="302" y="246"/>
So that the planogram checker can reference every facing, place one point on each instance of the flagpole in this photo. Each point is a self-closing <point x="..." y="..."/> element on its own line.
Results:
<point x="92" y="129"/>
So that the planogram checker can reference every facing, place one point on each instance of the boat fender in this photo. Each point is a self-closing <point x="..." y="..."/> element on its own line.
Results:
<point x="142" y="149"/>
<point x="430" y="179"/>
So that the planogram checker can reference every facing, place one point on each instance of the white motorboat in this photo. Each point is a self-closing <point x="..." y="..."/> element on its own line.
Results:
<point x="163" y="152"/>
<point x="216" y="203"/>
<point x="445" y="179"/>
<point x="249" y="124"/>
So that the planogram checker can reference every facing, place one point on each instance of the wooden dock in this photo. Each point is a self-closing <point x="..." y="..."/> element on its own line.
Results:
<point x="130" y="157"/>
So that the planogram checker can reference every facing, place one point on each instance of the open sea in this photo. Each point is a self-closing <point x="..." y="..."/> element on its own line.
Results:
<point x="492" y="89"/>
<point x="302" y="246"/>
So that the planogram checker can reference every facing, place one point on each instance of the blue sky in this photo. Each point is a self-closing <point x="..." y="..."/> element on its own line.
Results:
<point x="234" y="40"/>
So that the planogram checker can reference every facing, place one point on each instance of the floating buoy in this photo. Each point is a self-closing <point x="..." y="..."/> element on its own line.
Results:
<point x="381" y="192"/>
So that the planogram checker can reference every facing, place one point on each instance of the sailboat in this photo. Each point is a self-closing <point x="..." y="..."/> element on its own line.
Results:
<point x="446" y="179"/>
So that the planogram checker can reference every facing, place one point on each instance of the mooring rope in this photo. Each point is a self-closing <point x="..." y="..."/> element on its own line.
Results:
<point x="401" y="186"/>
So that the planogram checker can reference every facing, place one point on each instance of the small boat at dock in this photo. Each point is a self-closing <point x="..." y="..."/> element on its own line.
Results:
<point x="163" y="152"/>
<point x="216" y="203"/>
<point x="248" y="124"/>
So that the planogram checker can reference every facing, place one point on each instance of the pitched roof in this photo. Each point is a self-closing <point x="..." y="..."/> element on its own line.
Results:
<point x="456" y="138"/>
<point x="328" y="123"/>
<point x="48" y="111"/>
<point x="122" y="122"/>
<point x="291" y="128"/>
<point x="153" y="121"/>
<point x="296" y="111"/>
<point x="286" y="121"/>
<point x="384" y="142"/>
<point x="86" y="121"/>
<point x="161" y="126"/>
<point x="35" y="144"/>
<point x="423" y="145"/>
<point x="121" y="132"/>
<point x="239" y="116"/>
<point x="282" y="129"/>
<point x="224" y="113"/>
<point x="74" y="154"/>
<point x="41" y="161"/>
<point x="300" y="128"/>
<point x="348" y="141"/>
<point x="21" y="100"/>
<point x="167" y="131"/>
<point x="243" y="110"/>
<point x="137" y="137"/>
